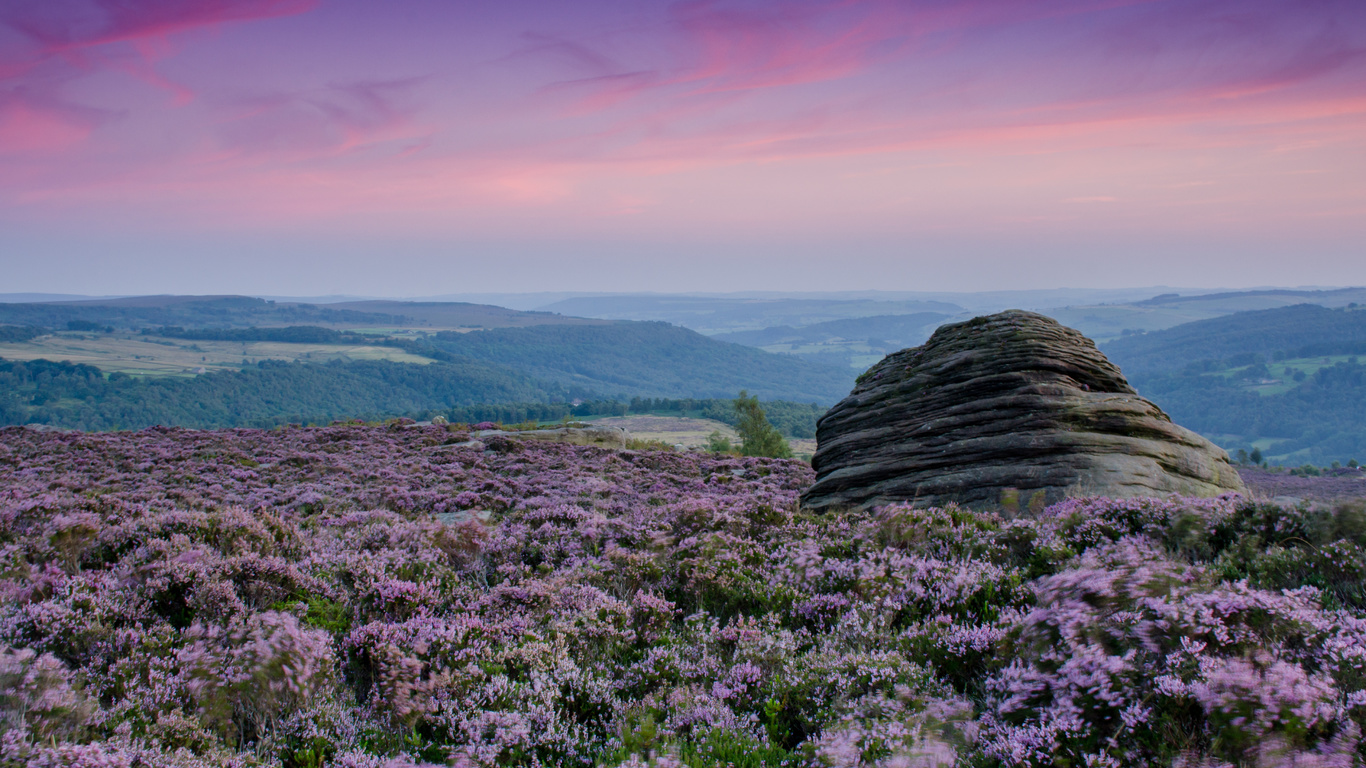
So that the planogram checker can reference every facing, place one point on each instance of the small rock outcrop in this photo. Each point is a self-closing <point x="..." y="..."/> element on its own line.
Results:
<point x="1007" y="409"/>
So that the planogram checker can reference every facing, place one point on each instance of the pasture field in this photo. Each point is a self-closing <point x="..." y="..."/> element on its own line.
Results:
<point x="156" y="356"/>
<point x="688" y="432"/>
<point x="1283" y="372"/>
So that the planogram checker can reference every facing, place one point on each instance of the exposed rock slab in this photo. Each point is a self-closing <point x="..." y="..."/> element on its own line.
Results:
<point x="1007" y="407"/>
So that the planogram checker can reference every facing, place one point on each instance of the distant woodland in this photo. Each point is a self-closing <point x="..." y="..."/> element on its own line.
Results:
<point x="1286" y="381"/>
<point x="274" y="393"/>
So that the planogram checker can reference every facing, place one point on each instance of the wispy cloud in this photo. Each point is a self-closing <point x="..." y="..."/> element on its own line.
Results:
<point x="123" y="35"/>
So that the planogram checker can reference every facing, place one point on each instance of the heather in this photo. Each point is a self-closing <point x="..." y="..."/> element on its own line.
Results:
<point x="367" y="596"/>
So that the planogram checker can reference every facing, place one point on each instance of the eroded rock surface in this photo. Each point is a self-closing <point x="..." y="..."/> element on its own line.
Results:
<point x="1009" y="408"/>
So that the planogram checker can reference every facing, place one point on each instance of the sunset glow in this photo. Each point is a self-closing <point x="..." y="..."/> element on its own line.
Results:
<point x="294" y="145"/>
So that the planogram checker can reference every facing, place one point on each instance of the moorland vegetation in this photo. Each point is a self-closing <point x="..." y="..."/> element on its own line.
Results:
<point x="368" y="596"/>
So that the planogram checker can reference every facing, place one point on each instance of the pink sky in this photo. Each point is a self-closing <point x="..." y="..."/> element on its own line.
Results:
<point x="430" y="146"/>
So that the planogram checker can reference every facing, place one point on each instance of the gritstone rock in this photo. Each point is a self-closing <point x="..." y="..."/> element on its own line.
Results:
<point x="1011" y="408"/>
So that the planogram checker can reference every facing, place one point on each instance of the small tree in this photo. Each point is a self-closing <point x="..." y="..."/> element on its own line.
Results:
<point x="1256" y="456"/>
<point x="718" y="443"/>
<point x="758" y="437"/>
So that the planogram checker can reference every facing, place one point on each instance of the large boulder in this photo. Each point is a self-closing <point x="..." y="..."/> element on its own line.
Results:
<point x="1011" y="409"/>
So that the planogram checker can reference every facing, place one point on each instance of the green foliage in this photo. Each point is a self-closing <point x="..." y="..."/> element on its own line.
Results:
<point x="629" y="358"/>
<point x="266" y="395"/>
<point x="321" y="613"/>
<point x="1318" y="421"/>
<point x="1243" y="338"/>
<point x="19" y="333"/>
<point x="1319" y="417"/>
<point x="86" y="325"/>
<point x="294" y="334"/>
<point x="719" y="443"/>
<point x="758" y="437"/>
<point x="714" y="748"/>
<point x="273" y="393"/>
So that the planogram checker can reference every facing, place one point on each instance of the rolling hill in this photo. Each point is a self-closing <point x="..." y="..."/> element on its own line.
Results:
<point x="1287" y="382"/>
<point x="1301" y="330"/>
<point x="713" y="315"/>
<point x="139" y="312"/>
<point x="1108" y="321"/>
<point x="652" y="359"/>
<point x="200" y="362"/>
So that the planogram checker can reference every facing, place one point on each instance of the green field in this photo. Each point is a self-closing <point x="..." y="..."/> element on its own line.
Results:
<point x="156" y="356"/>
<point x="1283" y="373"/>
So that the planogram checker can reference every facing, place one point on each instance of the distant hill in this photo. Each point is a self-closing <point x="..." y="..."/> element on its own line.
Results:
<point x="1103" y="322"/>
<point x="451" y="314"/>
<point x="139" y="312"/>
<point x="595" y="360"/>
<point x="272" y="393"/>
<point x="1302" y="330"/>
<point x="892" y="331"/>
<point x="653" y="359"/>
<point x="1287" y="382"/>
<point x="712" y="315"/>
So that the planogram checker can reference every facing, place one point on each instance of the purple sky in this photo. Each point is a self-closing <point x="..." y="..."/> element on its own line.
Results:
<point x="417" y="147"/>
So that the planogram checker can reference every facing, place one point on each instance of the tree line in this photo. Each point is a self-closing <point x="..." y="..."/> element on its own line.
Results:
<point x="272" y="393"/>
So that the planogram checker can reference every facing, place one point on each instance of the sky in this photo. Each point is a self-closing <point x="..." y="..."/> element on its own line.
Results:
<point x="420" y="147"/>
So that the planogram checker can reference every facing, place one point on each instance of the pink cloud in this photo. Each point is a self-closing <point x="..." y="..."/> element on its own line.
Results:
<point x="33" y="124"/>
<point x="70" y="26"/>
<point x="793" y="115"/>
<point x="90" y="35"/>
<point x="330" y="121"/>
<point x="28" y="128"/>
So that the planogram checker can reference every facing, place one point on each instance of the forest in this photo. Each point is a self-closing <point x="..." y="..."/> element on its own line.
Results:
<point x="274" y="393"/>
<point x="646" y="358"/>
<point x="1285" y="381"/>
<point x="264" y="395"/>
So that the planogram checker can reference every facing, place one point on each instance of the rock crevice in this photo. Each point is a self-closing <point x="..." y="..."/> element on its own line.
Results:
<point x="1011" y="405"/>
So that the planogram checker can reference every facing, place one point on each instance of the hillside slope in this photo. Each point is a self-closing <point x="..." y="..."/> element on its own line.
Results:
<point x="898" y="331"/>
<point x="272" y="393"/>
<point x="1285" y="381"/>
<point x="1302" y="330"/>
<point x="1103" y="322"/>
<point x="139" y="312"/>
<point x="654" y="359"/>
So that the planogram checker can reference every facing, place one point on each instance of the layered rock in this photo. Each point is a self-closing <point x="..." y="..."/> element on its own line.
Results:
<point x="1011" y="408"/>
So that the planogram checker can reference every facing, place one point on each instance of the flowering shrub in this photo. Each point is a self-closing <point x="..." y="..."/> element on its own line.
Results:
<point x="371" y="596"/>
